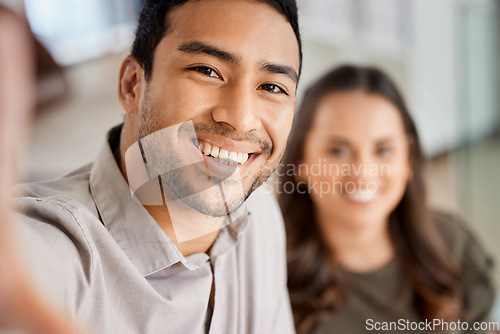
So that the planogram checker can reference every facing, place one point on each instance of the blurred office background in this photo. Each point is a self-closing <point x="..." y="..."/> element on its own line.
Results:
<point x="444" y="54"/>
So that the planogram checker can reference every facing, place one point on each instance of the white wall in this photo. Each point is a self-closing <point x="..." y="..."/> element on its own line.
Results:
<point x="432" y="65"/>
<point x="419" y="43"/>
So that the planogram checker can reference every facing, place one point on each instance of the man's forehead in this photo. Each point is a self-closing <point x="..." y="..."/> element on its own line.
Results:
<point x="240" y="27"/>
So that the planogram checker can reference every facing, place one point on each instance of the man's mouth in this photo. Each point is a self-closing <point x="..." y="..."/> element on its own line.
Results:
<point x="222" y="155"/>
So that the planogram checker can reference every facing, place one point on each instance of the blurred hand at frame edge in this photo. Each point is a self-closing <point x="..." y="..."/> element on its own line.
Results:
<point x="22" y="307"/>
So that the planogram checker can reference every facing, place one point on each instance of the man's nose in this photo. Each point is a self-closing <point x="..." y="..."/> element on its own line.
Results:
<point x="238" y="108"/>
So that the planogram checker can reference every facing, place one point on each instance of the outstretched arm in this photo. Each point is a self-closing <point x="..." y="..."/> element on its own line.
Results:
<point x="21" y="304"/>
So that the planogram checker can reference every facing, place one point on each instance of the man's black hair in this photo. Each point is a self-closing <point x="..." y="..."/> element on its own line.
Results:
<point x="153" y="25"/>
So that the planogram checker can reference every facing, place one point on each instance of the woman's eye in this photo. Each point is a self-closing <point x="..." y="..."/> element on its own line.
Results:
<point x="209" y="72"/>
<point x="384" y="150"/>
<point x="272" y="88"/>
<point x="339" y="151"/>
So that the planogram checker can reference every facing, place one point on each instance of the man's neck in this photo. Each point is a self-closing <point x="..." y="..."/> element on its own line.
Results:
<point x="200" y="244"/>
<point x="160" y="213"/>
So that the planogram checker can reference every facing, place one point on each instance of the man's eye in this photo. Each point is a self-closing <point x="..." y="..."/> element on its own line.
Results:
<point x="209" y="72"/>
<point x="272" y="88"/>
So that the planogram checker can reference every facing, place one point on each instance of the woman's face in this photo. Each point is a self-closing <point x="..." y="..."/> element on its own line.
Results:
<point x="356" y="158"/>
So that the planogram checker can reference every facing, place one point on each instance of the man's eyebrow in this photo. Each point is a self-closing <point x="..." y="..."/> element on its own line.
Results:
<point x="281" y="69"/>
<point x="200" y="47"/>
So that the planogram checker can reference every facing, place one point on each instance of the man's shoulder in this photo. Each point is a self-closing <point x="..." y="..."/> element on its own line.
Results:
<point x="59" y="219"/>
<point x="60" y="212"/>
<point x="70" y="190"/>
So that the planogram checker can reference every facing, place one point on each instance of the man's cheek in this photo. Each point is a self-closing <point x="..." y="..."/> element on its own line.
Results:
<point x="286" y="121"/>
<point x="184" y="102"/>
<point x="280" y="123"/>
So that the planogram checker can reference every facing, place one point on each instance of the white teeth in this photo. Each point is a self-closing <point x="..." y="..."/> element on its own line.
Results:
<point x="362" y="196"/>
<point x="233" y="156"/>
<point x="223" y="154"/>
<point x="214" y="152"/>
<point x="207" y="148"/>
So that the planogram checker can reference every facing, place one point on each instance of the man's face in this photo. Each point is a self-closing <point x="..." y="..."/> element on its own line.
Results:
<point x="229" y="67"/>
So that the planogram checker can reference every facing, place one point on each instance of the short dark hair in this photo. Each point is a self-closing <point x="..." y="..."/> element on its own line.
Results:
<point x="153" y="26"/>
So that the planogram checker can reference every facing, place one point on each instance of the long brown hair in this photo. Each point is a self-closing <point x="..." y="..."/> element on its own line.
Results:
<point x="314" y="281"/>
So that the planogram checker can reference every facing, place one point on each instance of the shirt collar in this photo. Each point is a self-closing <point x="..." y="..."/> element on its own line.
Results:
<point x="133" y="228"/>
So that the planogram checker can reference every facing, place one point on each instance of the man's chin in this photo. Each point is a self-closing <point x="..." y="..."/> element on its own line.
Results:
<point x="215" y="208"/>
<point x="221" y="199"/>
<point x="214" y="196"/>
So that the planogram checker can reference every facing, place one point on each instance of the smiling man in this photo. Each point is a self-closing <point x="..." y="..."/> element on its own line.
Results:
<point x="209" y="94"/>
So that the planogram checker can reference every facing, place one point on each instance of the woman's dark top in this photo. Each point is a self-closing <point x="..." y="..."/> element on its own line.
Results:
<point x="384" y="296"/>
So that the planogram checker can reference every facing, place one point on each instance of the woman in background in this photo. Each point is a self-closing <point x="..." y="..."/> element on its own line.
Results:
<point x="363" y="246"/>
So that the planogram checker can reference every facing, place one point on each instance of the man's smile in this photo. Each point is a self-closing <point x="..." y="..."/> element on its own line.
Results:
<point x="226" y="151"/>
<point x="222" y="155"/>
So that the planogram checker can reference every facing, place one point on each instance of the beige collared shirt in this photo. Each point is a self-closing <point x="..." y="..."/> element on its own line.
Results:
<point x="117" y="271"/>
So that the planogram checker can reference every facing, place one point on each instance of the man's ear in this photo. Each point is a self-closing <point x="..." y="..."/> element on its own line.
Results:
<point x="130" y="85"/>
